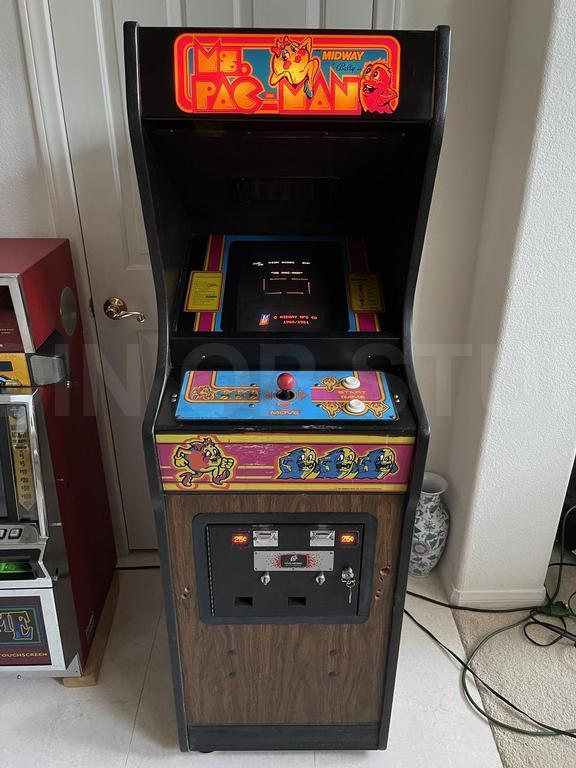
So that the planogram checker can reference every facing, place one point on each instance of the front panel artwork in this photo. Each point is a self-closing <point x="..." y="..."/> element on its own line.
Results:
<point x="284" y="462"/>
<point x="286" y="73"/>
<point x="23" y="639"/>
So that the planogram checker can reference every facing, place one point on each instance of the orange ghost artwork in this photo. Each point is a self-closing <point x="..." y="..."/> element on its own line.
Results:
<point x="376" y="91"/>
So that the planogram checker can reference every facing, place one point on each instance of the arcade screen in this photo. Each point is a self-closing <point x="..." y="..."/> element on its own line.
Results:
<point x="284" y="286"/>
<point x="15" y="569"/>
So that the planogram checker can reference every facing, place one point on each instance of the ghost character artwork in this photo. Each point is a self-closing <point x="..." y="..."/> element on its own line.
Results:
<point x="377" y="464"/>
<point x="298" y="464"/>
<point x="203" y="459"/>
<point x="294" y="62"/>
<point x="285" y="436"/>
<point x="339" y="463"/>
<point x="376" y="91"/>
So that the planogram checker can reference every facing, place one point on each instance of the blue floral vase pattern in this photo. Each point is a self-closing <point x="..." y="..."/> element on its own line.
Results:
<point x="431" y="526"/>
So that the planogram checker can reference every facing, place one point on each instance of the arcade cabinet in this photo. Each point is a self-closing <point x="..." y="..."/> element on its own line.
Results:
<point x="57" y="554"/>
<point x="285" y="179"/>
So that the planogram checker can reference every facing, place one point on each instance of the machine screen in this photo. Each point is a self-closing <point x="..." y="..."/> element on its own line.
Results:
<point x="16" y="569"/>
<point x="285" y="286"/>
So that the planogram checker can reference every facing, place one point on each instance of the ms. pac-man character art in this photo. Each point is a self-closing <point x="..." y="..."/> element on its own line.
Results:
<point x="286" y="179"/>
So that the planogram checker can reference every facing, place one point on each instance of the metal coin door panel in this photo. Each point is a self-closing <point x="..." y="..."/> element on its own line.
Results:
<point x="300" y="571"/>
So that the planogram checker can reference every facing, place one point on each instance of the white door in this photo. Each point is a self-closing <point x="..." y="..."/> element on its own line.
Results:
<point x="89" y="54"/>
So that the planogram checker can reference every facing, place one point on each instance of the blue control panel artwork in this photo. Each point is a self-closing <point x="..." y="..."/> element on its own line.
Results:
<point x="307" y="395"/>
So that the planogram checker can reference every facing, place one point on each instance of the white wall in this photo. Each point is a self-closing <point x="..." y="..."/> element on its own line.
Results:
<point x="479" y="29"/>
<point x="25" y="207"/>
<point x="514" y="431"/>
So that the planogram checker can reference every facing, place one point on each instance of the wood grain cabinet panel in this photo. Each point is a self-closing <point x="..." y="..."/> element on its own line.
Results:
<point x="306" y="674"/>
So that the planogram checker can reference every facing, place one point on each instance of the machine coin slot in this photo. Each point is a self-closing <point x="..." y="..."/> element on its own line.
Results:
<point x="265" y="538"/>
<point x="322" y="538"/>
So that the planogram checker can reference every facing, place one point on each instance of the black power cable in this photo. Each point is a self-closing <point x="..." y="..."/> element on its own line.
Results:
<point x="467" y="669"/>
<point x="551" y="608"/>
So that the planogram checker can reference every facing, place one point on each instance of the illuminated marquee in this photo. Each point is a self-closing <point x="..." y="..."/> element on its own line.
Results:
<point x="288" y="74"/>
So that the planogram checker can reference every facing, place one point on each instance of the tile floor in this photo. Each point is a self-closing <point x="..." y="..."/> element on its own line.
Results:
<point x="127" y="721"/>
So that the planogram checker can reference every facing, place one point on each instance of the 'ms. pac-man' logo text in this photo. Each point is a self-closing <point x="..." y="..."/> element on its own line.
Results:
<point x="289" y="74"/>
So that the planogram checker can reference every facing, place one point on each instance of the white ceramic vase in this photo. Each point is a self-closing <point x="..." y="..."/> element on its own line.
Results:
<point x="431" y="526"/>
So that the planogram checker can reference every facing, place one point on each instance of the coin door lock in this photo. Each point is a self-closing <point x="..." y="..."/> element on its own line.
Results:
<point x="265" y="578"/>
<point x="348" y="578"/>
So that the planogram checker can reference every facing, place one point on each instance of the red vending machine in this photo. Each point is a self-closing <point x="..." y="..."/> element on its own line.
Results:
<point x="57" y="554"/>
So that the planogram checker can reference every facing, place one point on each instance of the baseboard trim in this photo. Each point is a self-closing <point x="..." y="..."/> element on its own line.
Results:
<point x="209" y="738"/>
<point x="497" y="598"/>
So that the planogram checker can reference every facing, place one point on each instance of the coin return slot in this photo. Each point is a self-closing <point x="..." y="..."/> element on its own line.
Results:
<point x="243" y="602"/>
<point x="296" y="602"/>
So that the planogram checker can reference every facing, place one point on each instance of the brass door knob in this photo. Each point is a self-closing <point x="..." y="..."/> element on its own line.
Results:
<point x="116" y="309"/>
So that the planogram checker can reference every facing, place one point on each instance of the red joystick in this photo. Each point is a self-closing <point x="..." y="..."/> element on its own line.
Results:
<point x="286" y="383"/>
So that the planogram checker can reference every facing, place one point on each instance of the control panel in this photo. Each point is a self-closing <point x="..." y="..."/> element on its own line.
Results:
<point x="308" y="395"/>
<point x="282" y="570"/>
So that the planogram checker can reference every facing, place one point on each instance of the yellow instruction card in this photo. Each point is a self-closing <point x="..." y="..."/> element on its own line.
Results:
<point x="365" y="292"/>
<point x="204" y="291"/>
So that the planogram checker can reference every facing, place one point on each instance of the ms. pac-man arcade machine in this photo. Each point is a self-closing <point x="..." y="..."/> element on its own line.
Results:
<point x="286" y="179"/>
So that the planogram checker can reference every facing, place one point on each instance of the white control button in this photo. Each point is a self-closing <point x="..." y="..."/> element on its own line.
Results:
<point x="355" y="406"/>
<point x="351" y="382"/>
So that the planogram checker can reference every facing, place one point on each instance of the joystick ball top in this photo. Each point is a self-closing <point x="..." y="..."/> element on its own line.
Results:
<point x="286" y="382"/>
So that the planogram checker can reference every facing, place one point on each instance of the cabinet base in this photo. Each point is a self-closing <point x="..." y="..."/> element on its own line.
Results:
<point x="209" y="738"/>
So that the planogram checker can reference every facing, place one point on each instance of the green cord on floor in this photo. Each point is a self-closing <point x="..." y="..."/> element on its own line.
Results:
<point x="549" y="610"/>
